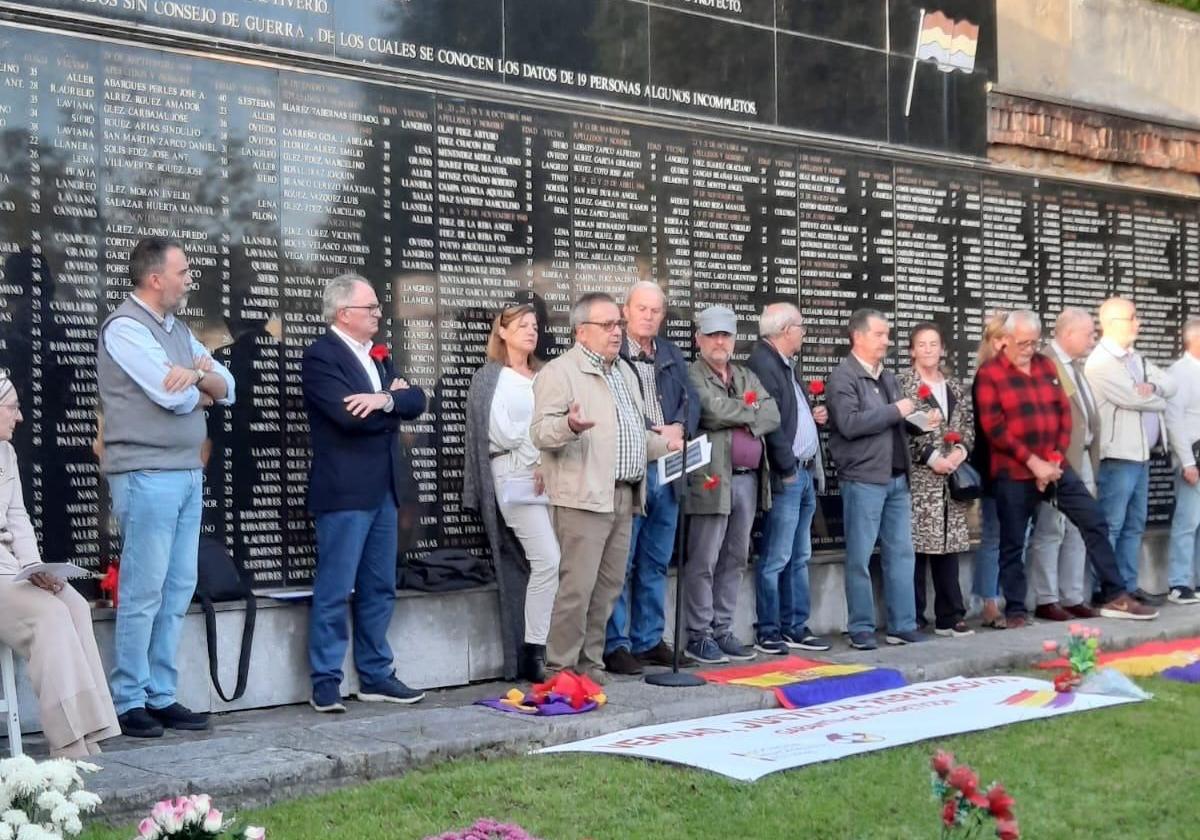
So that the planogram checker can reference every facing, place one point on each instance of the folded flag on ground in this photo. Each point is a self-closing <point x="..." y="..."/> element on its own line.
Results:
<point x="1174" y="660"/>
<point x="566" y="693"/>
<point x="801" y="682"/>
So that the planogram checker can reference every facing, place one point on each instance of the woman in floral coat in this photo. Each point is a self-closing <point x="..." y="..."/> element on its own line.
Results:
<point x="939" y="522"/>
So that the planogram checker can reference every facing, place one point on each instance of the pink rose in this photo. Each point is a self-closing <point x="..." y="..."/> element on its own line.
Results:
<point x="148" y="829"/>
<point x="1050" y="646"/>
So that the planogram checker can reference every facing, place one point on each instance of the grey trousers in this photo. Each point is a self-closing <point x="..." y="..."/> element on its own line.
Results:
<point x="595" y="552"/>
<point x="718" y="547"/>
<point x="1056" y="554"/>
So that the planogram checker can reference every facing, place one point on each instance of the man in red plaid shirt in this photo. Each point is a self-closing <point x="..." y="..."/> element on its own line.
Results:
<point x="1025" y="415"/>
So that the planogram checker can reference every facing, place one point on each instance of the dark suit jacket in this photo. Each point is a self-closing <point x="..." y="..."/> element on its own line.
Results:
<point x="356" y="460"/>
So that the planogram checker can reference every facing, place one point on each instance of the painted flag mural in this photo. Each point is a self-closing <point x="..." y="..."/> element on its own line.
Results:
<point x="951" y="43"/>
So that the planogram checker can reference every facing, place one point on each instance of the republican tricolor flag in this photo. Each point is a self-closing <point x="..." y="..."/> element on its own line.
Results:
<point x="951" y="43"/>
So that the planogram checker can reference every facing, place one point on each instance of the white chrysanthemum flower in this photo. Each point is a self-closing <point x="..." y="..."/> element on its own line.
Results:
<point x="85" y="800"/>
<point x="25" y="781"/>
<point x="51" y="799"/>
<point x="72" y="827"/>
<point x="15" y="817"/>
<point x="60" y="773"/>
<point x="6" y="831"/>
<point x="35" y="832"/>
<point x="87" y="767"/>
<point x="8" y="766"/>
<point x="63" y="812"/>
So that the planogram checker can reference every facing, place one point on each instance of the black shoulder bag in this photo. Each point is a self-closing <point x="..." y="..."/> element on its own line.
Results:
<point x="221" y="578"/>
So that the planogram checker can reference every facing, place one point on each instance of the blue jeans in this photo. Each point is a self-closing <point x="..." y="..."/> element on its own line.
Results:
<point x="880" y="512"/>
<point x="159" y="515"/>
<point x="986" y="576"/>
<point x="1185" y="535"/>
<point x="639" y="616"/>
<point x="356" y="550"/>
<point x="1123" y="488"/>
<point x="781" y="598"/>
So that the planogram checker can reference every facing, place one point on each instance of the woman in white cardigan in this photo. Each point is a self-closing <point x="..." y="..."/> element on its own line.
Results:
<point x="46" y="621"/>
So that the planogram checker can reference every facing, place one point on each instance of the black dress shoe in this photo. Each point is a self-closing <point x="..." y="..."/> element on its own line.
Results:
<point x="532" y="664"/>
<point x="179" y="716"/>
<point x="137" y="723"/>
<point x="1148" y="599"/>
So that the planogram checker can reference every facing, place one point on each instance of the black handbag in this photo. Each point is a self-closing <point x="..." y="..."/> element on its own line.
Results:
<point x="221" y="578"/>
<point x="966" y="485"/>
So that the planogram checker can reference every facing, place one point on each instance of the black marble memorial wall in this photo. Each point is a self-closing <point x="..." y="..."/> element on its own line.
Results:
<point x="278" y="178"/>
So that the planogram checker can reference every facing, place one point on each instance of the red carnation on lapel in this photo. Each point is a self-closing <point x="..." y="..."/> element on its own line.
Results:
<point x="379" y="353"/>
<point x="924" y="391"/>
<point x="750" y="397"/>
<point x="711" y="482"/>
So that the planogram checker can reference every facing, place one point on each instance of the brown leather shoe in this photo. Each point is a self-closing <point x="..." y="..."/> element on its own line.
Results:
<point x="1052" y="612"/>
<point x="1081" y="611"/>
<point x="661" y="654"/>
<point x="621" y="661"/>
<point x="1124" y="606"/>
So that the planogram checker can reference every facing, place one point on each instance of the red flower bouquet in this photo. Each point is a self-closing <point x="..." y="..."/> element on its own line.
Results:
<point x="967" y="806"/>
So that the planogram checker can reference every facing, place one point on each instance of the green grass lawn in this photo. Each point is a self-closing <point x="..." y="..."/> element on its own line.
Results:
<point x="1126" y="772"/>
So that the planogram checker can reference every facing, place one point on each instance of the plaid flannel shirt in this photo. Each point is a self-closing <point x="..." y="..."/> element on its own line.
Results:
<point x="631" y="426"/>
<point x="1021" y="414"/>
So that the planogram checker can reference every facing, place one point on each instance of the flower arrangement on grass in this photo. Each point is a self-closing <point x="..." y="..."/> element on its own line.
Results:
<point x="43" y="800"/>
<point x="1082" y="652"/>
<point x="966" y="807"/>
<point x="486" y="830"/>
<point x="190" y="818"/>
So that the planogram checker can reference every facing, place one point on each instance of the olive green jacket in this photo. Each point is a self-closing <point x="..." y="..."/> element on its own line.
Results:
<point x="721" y="411"/>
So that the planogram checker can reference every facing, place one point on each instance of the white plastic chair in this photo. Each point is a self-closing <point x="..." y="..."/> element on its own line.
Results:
<point x="8" y="705"/>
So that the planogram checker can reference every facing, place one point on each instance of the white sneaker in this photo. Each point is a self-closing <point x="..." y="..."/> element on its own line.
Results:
<point x="1183" y="595"/>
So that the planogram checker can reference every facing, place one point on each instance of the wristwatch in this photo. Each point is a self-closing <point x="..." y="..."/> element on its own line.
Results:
<point x="199" y="375"/>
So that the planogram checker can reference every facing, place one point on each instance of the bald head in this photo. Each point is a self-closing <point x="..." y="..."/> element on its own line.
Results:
<point x="1118" y="321"/>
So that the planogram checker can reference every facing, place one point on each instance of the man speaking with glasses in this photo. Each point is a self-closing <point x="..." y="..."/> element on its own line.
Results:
<point x="589" y="420"/>
<point x="1024" y="413"/>
<point x="155" y="381"/>
<point x="355" y="403"/>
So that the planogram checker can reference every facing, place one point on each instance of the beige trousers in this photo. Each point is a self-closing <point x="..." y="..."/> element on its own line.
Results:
<point x="591" y="574"/>
<point x="54" y="633"/>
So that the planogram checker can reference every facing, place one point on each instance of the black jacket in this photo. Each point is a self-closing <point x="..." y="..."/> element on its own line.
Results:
<point x="777" y="376"/>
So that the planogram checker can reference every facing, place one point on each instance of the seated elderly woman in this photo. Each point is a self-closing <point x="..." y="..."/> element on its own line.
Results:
<point x="46" y="621"/>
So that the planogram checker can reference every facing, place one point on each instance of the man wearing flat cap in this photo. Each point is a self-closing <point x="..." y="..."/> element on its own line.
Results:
<point x="736" y="412"/>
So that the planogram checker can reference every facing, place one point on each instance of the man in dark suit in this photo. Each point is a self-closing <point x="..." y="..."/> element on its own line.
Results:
<point x="354" y="490"/>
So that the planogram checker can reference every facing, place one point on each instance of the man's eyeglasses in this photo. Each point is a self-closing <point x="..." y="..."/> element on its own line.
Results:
<point x="1032" y="344"/>
<point x="800" y="327"/>
<point x="374" y="308"/>
<point x="609" y="326"/>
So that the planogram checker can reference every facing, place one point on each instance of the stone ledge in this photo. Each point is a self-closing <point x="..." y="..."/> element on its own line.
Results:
<point x="1019" y="121"/>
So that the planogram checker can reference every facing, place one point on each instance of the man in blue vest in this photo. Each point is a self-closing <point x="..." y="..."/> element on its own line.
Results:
<point x="155" y="382"/>
<point x="355" y="403"/>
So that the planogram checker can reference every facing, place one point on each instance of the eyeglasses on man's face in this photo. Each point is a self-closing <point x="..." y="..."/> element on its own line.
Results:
<point x="609" y="326"/>
<point x="372" y="308"/>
